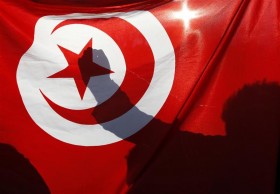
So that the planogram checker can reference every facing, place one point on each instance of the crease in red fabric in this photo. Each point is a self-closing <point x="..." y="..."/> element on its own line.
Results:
<point x="213" y="60"/>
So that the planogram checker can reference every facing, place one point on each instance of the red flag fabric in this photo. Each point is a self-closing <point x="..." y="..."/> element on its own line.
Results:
<point x="140" y="96"/>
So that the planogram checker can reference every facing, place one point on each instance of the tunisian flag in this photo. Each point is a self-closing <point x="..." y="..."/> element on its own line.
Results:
<point x="138" y="96"/>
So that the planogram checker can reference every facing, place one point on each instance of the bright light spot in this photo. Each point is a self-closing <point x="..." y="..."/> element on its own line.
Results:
<point x="186" y="15"/>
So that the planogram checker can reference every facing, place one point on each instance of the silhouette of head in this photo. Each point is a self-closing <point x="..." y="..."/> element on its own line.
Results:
<point x="253" y="113"/>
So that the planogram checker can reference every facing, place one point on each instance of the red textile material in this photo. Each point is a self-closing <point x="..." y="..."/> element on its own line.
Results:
<point x="218" y="130"/>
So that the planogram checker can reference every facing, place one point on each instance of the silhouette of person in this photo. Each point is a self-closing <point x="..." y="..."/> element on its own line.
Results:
<point x="252" y="118"/>
<point x="17" y="175"/>
<point x="167" y="160"/>
<point x="164" y="159"/>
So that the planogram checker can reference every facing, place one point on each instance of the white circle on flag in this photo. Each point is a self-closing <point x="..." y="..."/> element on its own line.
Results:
<point x="43" y="57"/>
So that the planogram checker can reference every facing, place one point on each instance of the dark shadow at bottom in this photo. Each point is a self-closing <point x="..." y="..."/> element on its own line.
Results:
<point x="17" y="175"/>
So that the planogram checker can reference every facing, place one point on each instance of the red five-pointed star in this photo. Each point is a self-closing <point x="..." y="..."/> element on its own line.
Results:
<point x="80" y="67"/>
